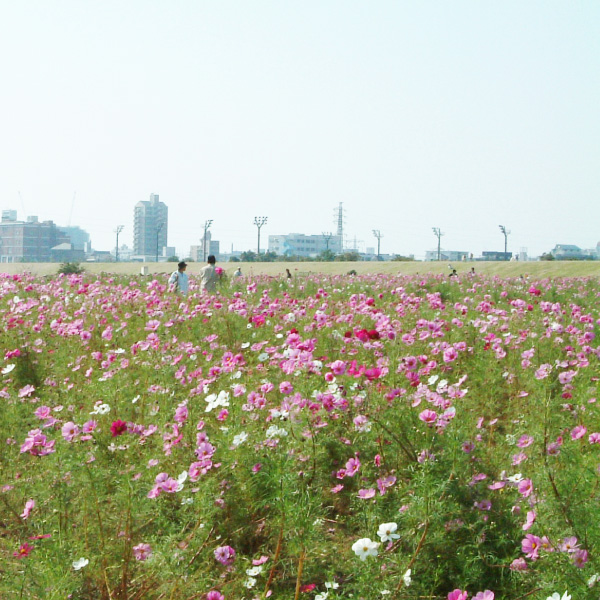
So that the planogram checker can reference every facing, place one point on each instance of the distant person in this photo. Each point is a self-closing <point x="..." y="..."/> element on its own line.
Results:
<point x="238" y="272"/>
<point x="288" y="274"/>
<point x="453" y="274"/>
<point x="472" y="270"/>
<point x="178" y="281"/>
<point x="208" y="276"/>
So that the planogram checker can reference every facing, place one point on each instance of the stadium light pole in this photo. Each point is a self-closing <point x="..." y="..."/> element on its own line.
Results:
<point x="438" y="233"/>
<point x="378" y="235"/>
<point x="207" y="225"/>
<point x="118" y="231"/>
<point x="259" y="222"/>
<point x="505" y="232"/>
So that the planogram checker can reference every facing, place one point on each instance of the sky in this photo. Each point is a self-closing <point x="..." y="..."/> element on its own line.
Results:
<point x="463" y="115"/>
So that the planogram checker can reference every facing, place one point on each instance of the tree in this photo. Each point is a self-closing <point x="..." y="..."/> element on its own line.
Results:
<point x="546" y="256"/>
<point x="173" y="259"/>
<point x="348" y="257"/>
<point x="326" y="256"/>
<point x="399" y="257"/>
<point x="248" y="256"/>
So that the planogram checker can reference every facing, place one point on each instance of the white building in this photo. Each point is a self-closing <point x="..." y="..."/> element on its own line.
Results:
<point x="299" y="244"/>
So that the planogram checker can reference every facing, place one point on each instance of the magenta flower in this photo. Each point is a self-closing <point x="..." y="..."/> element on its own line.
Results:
<point x="118" y="428"/>
<point x="225" y="555"/>
<point x="530" y="520"/>
<point x="458" y="595"/>
<point x="352" y="466"/>
<point x="578" y="432"/>
<point x="519" y="564"/>
<point x="580" y="557"/>
<point x="365" y="494"/>
<point x="214" y="595"/>
<point x="24" y="551"/>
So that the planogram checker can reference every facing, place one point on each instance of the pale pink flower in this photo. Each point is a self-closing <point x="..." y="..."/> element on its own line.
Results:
<point x="142" y="551"/>
<point x="29" y="506"/>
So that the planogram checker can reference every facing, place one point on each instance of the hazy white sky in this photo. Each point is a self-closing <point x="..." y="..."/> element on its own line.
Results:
<point x="462" y="115"/>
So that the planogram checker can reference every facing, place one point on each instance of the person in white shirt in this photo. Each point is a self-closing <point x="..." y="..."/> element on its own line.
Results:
<point x="208" y="276"/>
<point x="179" y="281"/>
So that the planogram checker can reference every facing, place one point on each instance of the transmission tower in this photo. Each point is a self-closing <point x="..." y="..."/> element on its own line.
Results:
<point x="438" y="234"/>
<point x="378" y="235"/>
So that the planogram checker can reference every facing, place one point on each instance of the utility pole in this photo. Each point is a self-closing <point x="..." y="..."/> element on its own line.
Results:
<point x="505" y="232"/>
<point x="378" y="235"/>
<point x="327" y="235"/>
<point x="259" y="222"/>
<point x="158" y="230"/>
<point x="438" y="233"/>
<point x="207" y="225"/>
<point x="118" y="231"/>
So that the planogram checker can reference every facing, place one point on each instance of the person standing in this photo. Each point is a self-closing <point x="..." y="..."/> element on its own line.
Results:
<point x="179" y="281"/>
<point x="208" y="276"/>
<point x="238" y="272"/>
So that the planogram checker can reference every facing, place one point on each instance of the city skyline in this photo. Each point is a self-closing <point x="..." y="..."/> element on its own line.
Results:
<point x="461" y="117"/>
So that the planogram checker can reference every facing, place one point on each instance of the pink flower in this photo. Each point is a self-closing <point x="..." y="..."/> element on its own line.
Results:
<point x="525" y="488"/>
<point x="524" y="441"/>
<point x="29" y="506"/>
<point x="529" y="520"/>
<point x="142" y="551"/>
<point x="458" y="595"/>
<point x="352" y="466"/>
<point x="569" y="544"/>
<point x="225" y="555"/>
<point x="487" y="595"/>
<point x="24" y="551"/>
<point x="260" y="561"/>
<point x="69" y="431"/>
<point x="519" y="564"/>
<point x="428" y="416"/>
<point x="338" y="367"/>
<point x="580" y="558"/>
<point x="594" y="438"/>
<point x="578" y="432"/>
<point x="214" y="595"/>
<point x="530" y="546"/>
<point x="365" y="494"/>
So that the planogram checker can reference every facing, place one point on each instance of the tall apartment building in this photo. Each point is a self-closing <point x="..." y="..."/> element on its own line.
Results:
<point x="28" y="241"/>
<point x="150" y="225"/>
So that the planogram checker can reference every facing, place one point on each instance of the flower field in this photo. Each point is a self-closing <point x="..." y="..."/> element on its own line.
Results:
<point x="359" y="437"/>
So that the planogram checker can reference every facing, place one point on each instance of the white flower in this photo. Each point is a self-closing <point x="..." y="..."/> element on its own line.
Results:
<point x="254" y="571"/>
<point x="432" y="379"/>
<point x="250" y="582"/>
<point x="236" y="375"/>
<point x="240" y="438"/>
<point x="262" y="357"/>
<point x="79" y="564"/>
<point x="557" y="596"/>
<point x="275" y="432"/>
<point x="593" y="579"/>
<point x="332" y="585"/>
<point x="386" y="532"/>
<point x="135" y="399"/>
<point x="406" y="578"/>
<point x="100" y="409"/>
<point x="7" y="369"/>
<point x="214" y="400"/>
<point x="246" y="345"/>
<point x="187" y="501"/>
<point x="182" y="477"/>
<point x="385" y="592"/>
<point x="322" y="596"/>
<point x="365" y="547"/>
<point x="515" y="478"/>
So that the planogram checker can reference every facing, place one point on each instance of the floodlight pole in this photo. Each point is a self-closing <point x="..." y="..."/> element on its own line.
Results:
<point x="118" y="231"/>
<point x="378" y="235"/>
<point x="259" y="222"/>
<point x="505" y="232"/>
<point x="438" y="233"/>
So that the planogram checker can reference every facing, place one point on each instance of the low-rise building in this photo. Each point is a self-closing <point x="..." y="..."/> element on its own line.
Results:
<point x="299" y="244"/>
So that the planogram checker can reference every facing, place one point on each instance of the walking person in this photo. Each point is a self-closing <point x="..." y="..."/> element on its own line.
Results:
<point x="178" y="281"/>
<point x="208" y="276"/>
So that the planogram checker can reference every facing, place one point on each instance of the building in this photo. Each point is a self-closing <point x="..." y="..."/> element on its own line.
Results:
<point x="28" y="241"/>
<point x="492" y="255"/>
<point x="79" y="238"/>
<point x="150" y="226"/>
<point x="206" y="248"/>
<point x="447" y="255"/>
<point x="299" y="244"/>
